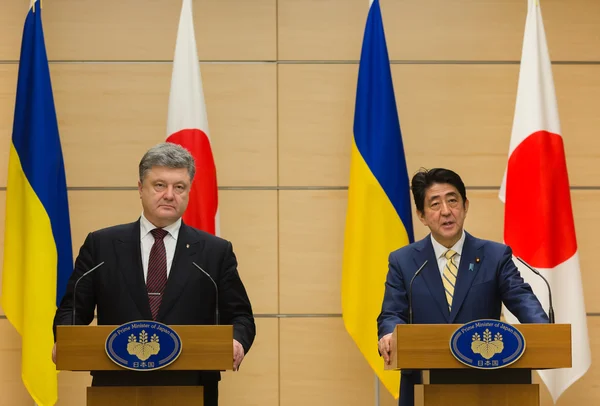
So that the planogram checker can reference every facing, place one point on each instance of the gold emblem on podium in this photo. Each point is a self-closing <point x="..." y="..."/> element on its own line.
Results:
<point x="143" y="349"/>
<point x="487" y="347"/>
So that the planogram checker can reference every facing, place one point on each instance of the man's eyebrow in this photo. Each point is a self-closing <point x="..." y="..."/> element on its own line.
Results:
<point x="439" y="196"/>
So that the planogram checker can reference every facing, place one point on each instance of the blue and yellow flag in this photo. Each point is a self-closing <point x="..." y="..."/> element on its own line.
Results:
<point x="38" y="258"/>
<point x="378" y="219"/>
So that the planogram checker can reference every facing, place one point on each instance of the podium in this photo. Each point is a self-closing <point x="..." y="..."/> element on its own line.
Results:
<point x="427" y="347"/>
<point x="204" y="348"/>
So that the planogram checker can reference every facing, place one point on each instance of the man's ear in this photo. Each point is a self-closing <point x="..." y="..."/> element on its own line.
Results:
<point x="140" y="188"/>
<point x="421" y="217"/>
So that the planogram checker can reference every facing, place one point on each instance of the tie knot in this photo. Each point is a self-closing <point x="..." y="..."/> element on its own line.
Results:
<point x="449" y="254"/>
<point x="159" y="233"/>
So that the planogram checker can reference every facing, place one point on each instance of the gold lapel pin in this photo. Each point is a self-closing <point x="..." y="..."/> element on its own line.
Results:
<point x="187" y="245"/>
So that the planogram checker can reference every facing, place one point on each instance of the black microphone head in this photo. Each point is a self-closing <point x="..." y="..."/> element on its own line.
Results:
<point x="74" y="312"/>
<point x="217" y="321"/>
<point x="535" y="271"/>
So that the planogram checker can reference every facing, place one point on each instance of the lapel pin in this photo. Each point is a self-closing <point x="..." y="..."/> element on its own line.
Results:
<point x="471" y="266"/>
<point x="477" y="259"/>
<point x="187" y="245"/>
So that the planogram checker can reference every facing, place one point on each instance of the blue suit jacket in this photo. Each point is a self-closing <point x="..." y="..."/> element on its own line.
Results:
<point x="487" y="277"/>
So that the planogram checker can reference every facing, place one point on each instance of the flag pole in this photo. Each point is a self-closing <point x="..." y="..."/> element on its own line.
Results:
<point x="376" y="390"/>
<point x="376" y="377"/>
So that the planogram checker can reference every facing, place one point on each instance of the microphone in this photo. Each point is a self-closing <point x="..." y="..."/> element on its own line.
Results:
<point x="410" y="311"/>
<point x="550" y="308"/>
<point x="216" y="292"/>
<point x="75" y="290"/>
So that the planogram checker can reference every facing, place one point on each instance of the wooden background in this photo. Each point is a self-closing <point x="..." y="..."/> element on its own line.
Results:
<point x="280" y="81"/>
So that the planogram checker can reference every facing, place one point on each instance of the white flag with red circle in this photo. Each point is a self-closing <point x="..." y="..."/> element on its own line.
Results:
<point x="538" y="223"/>
<point x="187" y="125"/>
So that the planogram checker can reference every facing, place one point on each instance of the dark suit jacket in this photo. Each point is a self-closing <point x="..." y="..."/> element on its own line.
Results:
<point x="487" y="277"/>
<point x="118" y="290"/>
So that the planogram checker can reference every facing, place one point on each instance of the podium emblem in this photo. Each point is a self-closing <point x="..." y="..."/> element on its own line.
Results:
<point x="487" y="344"/>
<point x="143" y="345"/>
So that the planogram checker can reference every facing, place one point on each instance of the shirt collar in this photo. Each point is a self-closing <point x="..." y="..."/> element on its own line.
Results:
<point x="146" y="226"/>
<point x="440" y="250"/>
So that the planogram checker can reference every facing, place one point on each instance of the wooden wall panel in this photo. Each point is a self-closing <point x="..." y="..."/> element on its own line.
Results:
<point x="311" y="240"/>
<point x="8" y="86"/>
<point x="321" y="365"/>
<point x="144" y="30"/>
<point x="249" y="221"/>
<point x="94" y="210"/>
<point x="242" y="113"/>
<point x="320" y="30"/>
<point x="12" y="18"/>
<point x="257" y="381"/>
<point x="72" y="388"/>
<point x="454" y="116"/>
<point x="316" y="113"/>
<point x="577" y="86"/>
<point x="120" y="110"/>
<point x="13" y="390"/>
<point x="435" y="29"/>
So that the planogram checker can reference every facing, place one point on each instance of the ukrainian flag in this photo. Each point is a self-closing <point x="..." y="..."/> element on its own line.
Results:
<point x="38" y="257"/>
<point x="378" y="219"/>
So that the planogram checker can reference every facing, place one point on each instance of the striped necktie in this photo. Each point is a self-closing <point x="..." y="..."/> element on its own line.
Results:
<point x="449" y="276"/>
<point x="157" y="271"/>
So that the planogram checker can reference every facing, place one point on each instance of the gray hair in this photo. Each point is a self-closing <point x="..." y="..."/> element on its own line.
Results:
<point x="168" y="155"/>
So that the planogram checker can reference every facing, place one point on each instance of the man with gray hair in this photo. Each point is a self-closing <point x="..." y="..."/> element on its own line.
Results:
<point x="149" y="274"/>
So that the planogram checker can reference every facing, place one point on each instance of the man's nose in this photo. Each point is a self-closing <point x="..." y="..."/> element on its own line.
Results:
<point x="445" y="209"/>
<point x="169" y="193"/>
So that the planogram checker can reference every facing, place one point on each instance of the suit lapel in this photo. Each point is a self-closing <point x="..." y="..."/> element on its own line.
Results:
<point x="431" y="274"/>
<point x="187" y="248"/>
<point x="129" y="257"/>
<point x="467" y="271"/>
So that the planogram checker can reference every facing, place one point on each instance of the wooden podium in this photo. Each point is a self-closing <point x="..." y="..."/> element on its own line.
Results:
<point x="427" y="347"/>
<point x="82" y="348"/>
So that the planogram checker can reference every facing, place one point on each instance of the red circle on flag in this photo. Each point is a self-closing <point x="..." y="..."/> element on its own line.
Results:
<point x="538" y="213"/>
<point x="203" y="203"/>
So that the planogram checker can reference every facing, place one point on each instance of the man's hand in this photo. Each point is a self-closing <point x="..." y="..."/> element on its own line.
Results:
<point x="238" y="355"/>
<point x="54" y="354"/>
<point x="385" y="347"/>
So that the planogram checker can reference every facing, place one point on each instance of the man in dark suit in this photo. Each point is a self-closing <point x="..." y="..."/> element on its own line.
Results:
<point x="149" y="273"/>
<point x="465" y="278"/>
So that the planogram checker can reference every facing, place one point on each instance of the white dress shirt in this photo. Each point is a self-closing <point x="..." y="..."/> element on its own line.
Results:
<point x="147" y="241"/>
<point x="440" y="250"/>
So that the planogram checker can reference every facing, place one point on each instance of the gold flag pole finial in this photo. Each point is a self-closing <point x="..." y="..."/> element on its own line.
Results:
<point x="33" y="5"/>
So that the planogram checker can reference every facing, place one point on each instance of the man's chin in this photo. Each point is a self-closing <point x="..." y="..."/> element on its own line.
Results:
<point x="167" y="218"/>
<point x="166" y="213"/>
<point x="450" y="233"/>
